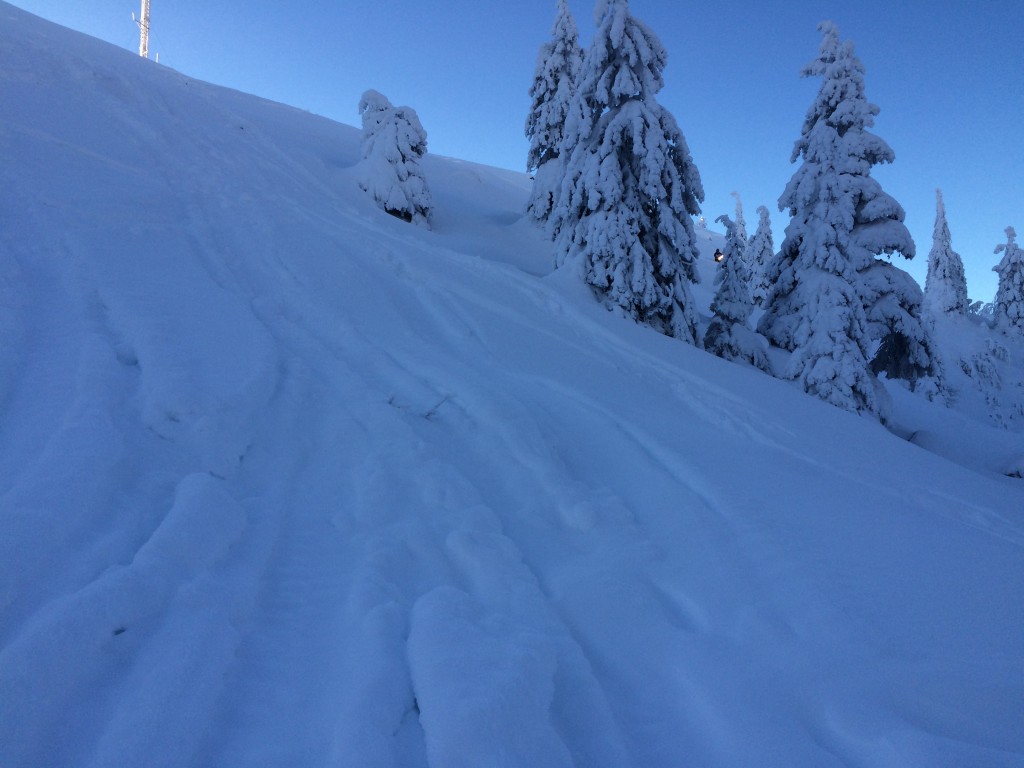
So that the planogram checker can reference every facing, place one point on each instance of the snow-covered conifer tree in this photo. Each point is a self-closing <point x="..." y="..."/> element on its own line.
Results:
<point x="741" y="230"/>
<point x="623" y="215"/>
<point x="729" y="336"/>
<point x="393" y="143"/>
<point x="558" y="67"/>
<point x="740" y="223"/>
<point x="760" y="254"/>
<point x="945" y="288"/>
<point x="1009" y="309"/>
<point x="841" y="219"/>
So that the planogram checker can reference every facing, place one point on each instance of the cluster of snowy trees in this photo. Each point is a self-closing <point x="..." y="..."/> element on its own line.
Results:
<point x="945" y="291"/>
<point x="615" y="186"/>
<point x="729" y="335"/>
<point x="616" y="189"/>
<point x="946" y="299"/>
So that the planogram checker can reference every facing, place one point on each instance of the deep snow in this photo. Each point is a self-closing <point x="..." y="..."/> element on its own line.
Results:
<point x="285" y="481"/>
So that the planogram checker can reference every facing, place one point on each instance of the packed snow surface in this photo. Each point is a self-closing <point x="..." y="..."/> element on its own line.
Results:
<point x="285" y="481"/>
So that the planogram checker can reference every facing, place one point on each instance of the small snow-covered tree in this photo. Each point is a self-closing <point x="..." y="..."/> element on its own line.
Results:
<point x="623" y="215"/>
<point x="1009" y="303"/>
<point x="393" y="143"/>
<point x="945" y="288"/>
<point x="729" y="336"/>
<point x="558" y="66"/>
<point x="760" y="253"/>
<point x="824" y="275"/>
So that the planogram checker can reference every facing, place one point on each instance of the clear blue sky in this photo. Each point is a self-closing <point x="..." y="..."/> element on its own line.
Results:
<point x="947" y="75"/>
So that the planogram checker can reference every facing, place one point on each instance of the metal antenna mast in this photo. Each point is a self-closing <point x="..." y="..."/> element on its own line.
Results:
<point x="143" y="23"/>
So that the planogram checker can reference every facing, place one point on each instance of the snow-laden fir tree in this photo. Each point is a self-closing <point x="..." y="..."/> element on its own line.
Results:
<point x="823" y="276"/>
<point x="393" y="143"/>
<point x="741" y="229"/>
<point x="729" y="335"/>
<point x="623" y="215"/>
<point x="945" y="288"/>
<point x="1009" y="309"/>
<point x="740" y="222"/>
<point x="558" y="66"/>
<point x="760" y="254"/>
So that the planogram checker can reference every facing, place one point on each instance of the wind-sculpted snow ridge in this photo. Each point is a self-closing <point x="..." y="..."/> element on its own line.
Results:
<point x="287" y="481"/>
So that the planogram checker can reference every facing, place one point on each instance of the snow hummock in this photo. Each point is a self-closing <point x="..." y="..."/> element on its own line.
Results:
<point x="287" y="481"/>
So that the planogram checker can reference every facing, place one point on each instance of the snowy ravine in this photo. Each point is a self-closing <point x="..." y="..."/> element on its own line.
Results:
<point x="285" y="481"/>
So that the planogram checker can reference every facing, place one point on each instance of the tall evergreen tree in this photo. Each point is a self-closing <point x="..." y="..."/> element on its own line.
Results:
<point x="558" y="66"/>
<point x="760" y="254"/>
<point x="1009" y="310"/>
<point x="393" y="142"/>
<point x="826" y="272"/>
<point x="729" y="336"/>
<point x="630" y="186"/>
<point x="740" y="223"/>
<point x="945" y="288"/>
<point x="741" y="230"/>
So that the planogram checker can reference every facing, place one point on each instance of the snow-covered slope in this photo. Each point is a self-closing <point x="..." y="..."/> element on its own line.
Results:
<point x="287" y="482"/>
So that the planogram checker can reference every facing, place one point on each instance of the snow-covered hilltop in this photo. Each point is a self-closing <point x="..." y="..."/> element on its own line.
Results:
<point x="285" y="480"/>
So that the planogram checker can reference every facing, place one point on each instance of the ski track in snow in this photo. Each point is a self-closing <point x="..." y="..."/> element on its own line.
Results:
<point x="284" y="481"/>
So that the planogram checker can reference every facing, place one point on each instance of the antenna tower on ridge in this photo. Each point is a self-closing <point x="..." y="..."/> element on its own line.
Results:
<point x="143" y="23"/>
